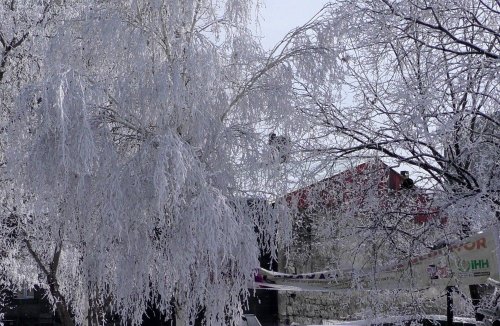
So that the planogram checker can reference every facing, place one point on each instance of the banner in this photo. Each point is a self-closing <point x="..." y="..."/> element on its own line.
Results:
<point x="470" y="261"/>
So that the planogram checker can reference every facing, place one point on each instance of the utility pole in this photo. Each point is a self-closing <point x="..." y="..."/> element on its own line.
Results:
<point x="449" y="305"/>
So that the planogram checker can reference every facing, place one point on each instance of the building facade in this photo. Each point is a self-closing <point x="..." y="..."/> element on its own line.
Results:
<point x="369" y="215"/>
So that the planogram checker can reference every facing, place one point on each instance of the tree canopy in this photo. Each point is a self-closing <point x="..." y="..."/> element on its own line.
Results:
<point x="412" y="83"/>
<point x="126" y="123"/>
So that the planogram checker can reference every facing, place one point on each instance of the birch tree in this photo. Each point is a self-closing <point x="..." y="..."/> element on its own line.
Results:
<point x="123" y="154"/>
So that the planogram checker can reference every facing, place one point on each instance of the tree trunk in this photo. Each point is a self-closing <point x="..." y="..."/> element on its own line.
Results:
<point x="62" y="308"/>
<point x="64" y="314"/>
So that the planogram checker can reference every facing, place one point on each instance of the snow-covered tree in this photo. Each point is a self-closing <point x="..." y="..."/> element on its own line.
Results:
<point x="125" y="142"/>
<point x="414" y="83"/>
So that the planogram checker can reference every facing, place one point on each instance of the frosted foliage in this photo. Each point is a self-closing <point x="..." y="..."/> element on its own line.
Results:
<point x="412" y="83"/>
<point x="124" y="159"/>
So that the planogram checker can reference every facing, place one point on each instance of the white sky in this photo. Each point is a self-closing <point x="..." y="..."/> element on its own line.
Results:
<point x="280" y="16"/>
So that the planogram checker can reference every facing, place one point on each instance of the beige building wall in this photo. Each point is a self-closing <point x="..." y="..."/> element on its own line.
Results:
<point x="313" y="253"/>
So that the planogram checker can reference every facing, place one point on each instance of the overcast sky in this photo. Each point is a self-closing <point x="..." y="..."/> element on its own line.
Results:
<point x="280" y="16"/>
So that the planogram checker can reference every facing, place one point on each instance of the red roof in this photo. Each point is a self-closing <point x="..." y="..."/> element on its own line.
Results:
<point x="352" y="185"/>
